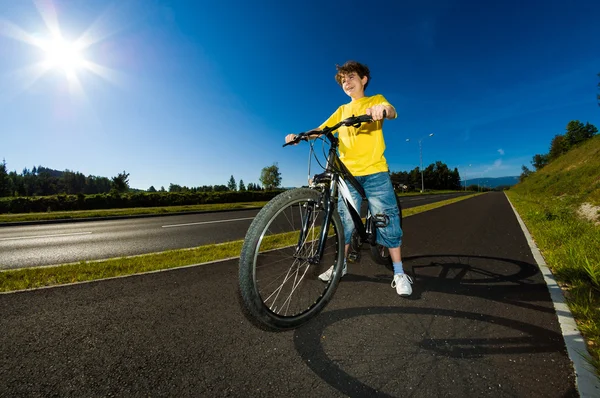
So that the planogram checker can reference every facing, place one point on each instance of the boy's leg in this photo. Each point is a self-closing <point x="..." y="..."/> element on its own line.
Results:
<point x="395" y="254"/>
<point x="382" y="201"/>
<point x="348" y="224"/>
<point x="345" y="214"/>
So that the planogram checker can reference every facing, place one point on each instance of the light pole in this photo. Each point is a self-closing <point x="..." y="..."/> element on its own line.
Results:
<point x="421" y="159"/>
<point x="466" y="180"/>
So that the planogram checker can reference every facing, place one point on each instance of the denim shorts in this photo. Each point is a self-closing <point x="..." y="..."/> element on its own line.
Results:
<point x="382" y="200"/>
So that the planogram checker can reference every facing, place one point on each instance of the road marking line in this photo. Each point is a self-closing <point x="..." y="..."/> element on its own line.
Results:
<point x="207" y="222"/>
<point x="45" y="236"/>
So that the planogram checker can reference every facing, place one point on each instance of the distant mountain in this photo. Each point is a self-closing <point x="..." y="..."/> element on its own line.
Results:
<point x="492" y="182"/>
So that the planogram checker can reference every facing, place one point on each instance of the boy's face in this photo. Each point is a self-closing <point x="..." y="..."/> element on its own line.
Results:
<point x="353" y="85"/>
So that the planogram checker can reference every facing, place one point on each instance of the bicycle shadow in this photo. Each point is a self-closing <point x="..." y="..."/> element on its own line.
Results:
<point x="444" y="338"/>
<point x="493" y="278"/>
<point x="427" y="354"/>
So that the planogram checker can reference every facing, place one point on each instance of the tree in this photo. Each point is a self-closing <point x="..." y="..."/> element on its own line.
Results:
<point x="558" y="146"/>
<point x="151" y="189"/>
<point x="5" y="181"/>
<point x="577" y="132"/>
<point x="73" y="182"/>
<point x="47" y="184"/>
<point x="526" y="173"/>
<point x="270" y="177"/>
<point x="231" y="184"/>
<point x="454" y="179"/>
<point x="242" y="186"/>
<point x="539" y="161"/>
<point x="175" y="188"/>
<point x="120" y="183"/>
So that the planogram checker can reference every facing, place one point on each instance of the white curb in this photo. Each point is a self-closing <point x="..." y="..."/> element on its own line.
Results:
<point x="586" y="380"/>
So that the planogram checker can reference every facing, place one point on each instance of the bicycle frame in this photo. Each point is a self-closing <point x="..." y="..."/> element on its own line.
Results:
<point x="334" y="181"/>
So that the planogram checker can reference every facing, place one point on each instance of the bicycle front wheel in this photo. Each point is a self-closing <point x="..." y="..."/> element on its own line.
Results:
<point x="279" y="288"/>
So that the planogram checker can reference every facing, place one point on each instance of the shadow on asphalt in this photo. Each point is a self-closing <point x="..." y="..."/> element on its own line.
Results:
<point x="470" y="275"/>
<point x="422" y="337"/>
<point x="429" y="353"/>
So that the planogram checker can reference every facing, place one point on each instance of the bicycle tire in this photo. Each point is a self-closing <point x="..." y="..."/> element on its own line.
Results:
<point x="272" y="253"/>
<point x="381" y="254"/>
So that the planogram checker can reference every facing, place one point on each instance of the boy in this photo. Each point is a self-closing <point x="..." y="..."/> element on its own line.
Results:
<point x="361" y="149"/>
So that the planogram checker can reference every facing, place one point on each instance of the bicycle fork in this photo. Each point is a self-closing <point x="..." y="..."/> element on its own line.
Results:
<point x="308" y="223"/>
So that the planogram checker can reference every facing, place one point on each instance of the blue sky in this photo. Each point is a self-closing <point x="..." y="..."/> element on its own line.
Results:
<point x="192" y="92"/>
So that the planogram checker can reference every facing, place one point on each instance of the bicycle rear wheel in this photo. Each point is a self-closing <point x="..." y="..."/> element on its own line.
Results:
<point x="279" y="287"/>
<point x="381" y="254"/>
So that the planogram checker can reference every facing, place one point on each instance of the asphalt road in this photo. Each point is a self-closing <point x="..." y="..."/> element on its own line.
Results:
<point x="480" y="323"/>
<point x="58" y="243"/>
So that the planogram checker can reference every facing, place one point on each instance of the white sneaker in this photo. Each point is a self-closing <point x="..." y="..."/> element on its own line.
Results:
<point x="326" y="276"/>
<point x="402" y="284"/>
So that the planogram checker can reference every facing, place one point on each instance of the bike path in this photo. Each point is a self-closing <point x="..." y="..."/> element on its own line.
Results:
<point x="480" y="323"/>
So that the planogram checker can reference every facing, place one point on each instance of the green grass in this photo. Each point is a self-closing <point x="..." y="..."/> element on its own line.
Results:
<point x="570" y="248"/>
<point x="29" y="278"/>
<point x="547" y="201"/>
<point x="35" y="277"/>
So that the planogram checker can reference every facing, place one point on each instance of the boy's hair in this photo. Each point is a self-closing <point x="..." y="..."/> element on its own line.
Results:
<point x="352" y="66"/>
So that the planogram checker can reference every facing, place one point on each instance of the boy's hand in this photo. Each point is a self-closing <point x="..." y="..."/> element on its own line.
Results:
<point x="289" y="138"/>
<point x="376" y="112"/>
<point x="312" y="134"/>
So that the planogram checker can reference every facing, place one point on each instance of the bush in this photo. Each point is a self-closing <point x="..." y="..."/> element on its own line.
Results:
<point x="115" y="200"/>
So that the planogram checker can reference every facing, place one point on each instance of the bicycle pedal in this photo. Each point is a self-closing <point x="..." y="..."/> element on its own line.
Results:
<point x="381" y="220"/>
<point x="353" y="257"/>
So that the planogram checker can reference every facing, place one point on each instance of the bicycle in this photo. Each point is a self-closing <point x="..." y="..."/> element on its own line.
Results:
<point x="297" y="236"/>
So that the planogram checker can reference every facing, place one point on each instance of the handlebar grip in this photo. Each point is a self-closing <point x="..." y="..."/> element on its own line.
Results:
<point x="369" y="119"/>
<point x="299" y="137"/>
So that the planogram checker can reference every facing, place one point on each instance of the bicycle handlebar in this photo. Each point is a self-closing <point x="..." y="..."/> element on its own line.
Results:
<point x="355" y="121"/>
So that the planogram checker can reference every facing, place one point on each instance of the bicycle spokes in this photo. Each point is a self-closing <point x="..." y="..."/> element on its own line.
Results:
<point x="286" y="273"/>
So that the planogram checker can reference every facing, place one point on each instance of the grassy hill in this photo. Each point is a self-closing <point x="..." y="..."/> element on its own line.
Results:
<point x="575" y="174"/>
<point x="560" y="204"/>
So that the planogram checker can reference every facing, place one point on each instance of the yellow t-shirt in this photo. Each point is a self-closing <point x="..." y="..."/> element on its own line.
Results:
<point x="361" y="149"/>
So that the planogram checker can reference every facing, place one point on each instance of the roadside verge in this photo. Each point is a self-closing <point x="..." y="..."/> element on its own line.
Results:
<point x="587" y="382"/>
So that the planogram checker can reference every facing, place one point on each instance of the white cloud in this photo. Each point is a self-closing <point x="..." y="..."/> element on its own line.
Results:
<point x="501" y="151"/>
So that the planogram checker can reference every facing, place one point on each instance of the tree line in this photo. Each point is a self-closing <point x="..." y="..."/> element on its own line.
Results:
<point x="575" y="133"/>
<point x="43" y="181"/>
<point x="435" y="176"/>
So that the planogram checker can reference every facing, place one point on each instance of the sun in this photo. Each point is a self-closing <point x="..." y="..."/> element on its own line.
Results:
<point x="57" y="53"/>
<point x="63" y="55"/>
